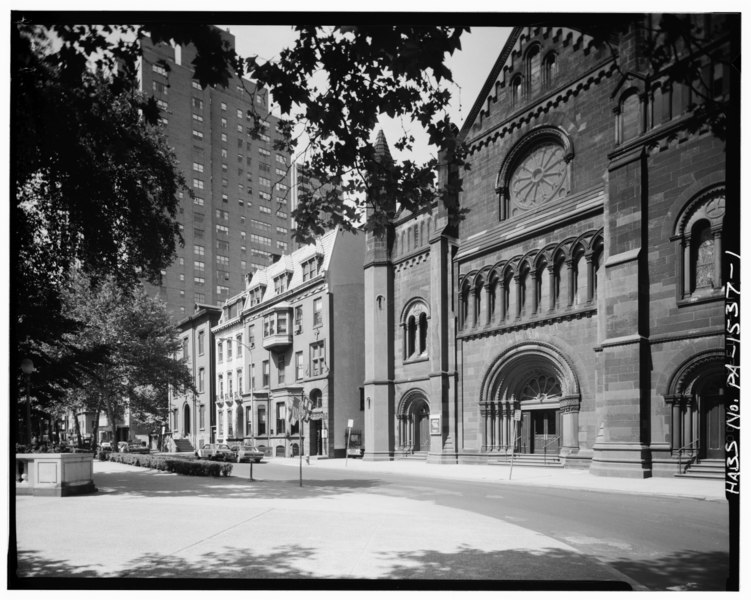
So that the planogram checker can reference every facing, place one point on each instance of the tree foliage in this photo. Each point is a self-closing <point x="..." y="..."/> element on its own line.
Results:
<point x="336" y="82"/>
<point x="95" y="186"/>
<point x="138" y="346"/>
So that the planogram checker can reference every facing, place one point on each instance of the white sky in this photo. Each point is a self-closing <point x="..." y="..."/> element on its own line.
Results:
<point x="470" y="67"/>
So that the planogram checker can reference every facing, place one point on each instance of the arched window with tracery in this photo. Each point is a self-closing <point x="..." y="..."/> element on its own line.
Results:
<point x="536" y="171"/>
<point x="699" y="231"/>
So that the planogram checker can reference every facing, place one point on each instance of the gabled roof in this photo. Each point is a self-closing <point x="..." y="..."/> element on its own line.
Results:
<point x="490" y="82"/>
<point x="563" y="34"/>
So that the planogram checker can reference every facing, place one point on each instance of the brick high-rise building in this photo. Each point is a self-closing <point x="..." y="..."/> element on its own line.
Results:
<point x="239" y="216"/>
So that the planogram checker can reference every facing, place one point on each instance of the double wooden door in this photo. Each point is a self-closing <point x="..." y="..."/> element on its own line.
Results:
<point x="539" y="432"/>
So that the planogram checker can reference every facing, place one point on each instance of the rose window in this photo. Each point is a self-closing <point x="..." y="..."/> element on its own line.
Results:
<point x="542" y="175"/>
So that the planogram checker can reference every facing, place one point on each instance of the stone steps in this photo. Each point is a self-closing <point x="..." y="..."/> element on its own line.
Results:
<point x="183" y="445"/>
<point x="529" y="460"/>
<point x="708" y="468"/>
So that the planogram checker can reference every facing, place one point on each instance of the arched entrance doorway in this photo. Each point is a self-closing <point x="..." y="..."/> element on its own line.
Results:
<point x="696" y="396"/>
<point x="414" y="423"/>
<point x="530" y="402"/>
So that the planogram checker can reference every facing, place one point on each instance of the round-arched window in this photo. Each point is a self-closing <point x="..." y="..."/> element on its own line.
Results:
<point x="541" y="387"/>
<point x="539" y="176"/>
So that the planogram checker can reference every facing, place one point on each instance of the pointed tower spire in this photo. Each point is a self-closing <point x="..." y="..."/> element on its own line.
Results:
<point x="381" y="153"/>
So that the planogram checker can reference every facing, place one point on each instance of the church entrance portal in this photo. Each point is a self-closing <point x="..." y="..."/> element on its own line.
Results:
<point x="414" y="424"/>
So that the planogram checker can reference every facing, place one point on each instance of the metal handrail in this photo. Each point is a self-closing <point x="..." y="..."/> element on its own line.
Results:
<point x="680" y="454"/>
<point x="545" y="448"/>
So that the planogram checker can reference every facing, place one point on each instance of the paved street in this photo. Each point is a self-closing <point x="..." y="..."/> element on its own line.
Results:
<point x="370" y="521"/>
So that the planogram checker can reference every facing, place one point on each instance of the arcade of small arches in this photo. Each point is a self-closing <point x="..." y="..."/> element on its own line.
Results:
<point x="556" y="278"/>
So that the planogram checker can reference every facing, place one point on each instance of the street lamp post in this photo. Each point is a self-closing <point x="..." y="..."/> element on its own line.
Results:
<point x="27" y="366"/>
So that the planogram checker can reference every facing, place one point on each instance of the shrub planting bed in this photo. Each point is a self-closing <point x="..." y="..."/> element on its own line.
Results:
<point x="180" y="466"/>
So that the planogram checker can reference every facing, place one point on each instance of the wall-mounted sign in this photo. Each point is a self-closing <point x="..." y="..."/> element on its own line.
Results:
<point x="435" y="424"/>
<point x="518" y="415"/>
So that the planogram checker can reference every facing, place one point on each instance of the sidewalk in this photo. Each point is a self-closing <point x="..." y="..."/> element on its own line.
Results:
<point x="147" y="524"/>
<point x="703" y="489"/>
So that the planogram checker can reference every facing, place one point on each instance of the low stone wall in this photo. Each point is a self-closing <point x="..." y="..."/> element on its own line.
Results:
<point x="54" y="474"/>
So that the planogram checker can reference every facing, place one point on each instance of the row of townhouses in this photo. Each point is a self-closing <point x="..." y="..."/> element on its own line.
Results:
<point x="293" y="335"/>
<point x="576" y="312"/>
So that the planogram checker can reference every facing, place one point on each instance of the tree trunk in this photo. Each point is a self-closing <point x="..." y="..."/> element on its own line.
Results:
<point x="78" y="431"/>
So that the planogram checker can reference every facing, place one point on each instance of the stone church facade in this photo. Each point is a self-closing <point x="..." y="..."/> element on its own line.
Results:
<point x="578" y="309"/>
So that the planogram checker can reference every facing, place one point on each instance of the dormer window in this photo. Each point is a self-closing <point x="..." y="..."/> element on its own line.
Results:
<point x="256" y="295"/>
<point x="310" y="268"/>
<point x="280" y="283"/>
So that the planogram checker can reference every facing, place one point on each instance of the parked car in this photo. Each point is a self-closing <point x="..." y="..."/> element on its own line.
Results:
<point x="247" y="453"/>
<point x="105" y="446"/>
<point x="216" y="452"/>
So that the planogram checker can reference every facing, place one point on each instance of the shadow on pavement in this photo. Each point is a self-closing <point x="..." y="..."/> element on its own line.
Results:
<point x="155" y="484"/>
<point x="552" y="569"/>
<point x="703" y="571"/>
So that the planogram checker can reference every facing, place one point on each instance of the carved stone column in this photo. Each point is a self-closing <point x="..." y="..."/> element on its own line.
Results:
<point x="484" y="425"/>
<point x="570" y="279"/>
<point x="590" y="277"/>
<point x="501" y="301"/>
<point x="686" y="265"/>
<point x="472" y="314"/>
<point x="717" y="237"/>
<point x="533" y="285"/>
<point x="569" y="424"/>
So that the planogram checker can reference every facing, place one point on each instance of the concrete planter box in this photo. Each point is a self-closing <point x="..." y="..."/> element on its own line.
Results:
<point x="54" y="474"/>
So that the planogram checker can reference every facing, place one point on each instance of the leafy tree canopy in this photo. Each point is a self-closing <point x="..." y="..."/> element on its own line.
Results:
<point x="139" y="346"/>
